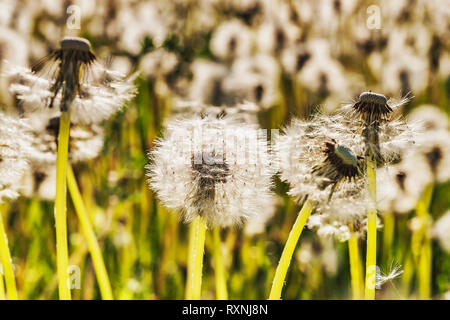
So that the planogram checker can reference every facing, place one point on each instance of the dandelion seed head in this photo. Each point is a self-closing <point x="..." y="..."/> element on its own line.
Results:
<point x="372" y="106"/>
<point x="100" y="97"/>
<point x="75" y="43"/>
<point x="308" y="167"/>
<point x="385" y="137"/>
<point x="198" y="169"/>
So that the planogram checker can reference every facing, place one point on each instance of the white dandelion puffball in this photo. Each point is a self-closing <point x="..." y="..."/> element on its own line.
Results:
<point x="101" y="95"/>
<point x="301" y="149"/>
<point x="14" y="152"/>
<point x="216" y="167"/>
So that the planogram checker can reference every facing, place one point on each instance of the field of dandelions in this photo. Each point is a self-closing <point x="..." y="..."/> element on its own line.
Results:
<point x="225" y="149"/>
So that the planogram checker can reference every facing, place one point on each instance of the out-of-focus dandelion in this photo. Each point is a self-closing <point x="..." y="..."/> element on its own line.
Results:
<point x="231" y="39"/>
<point x="213" y="170"/>
<point x="427" y="164"/>
<point x="14" y="151"/>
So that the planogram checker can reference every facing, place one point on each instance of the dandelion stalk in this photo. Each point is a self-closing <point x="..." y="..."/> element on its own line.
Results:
<point x="371" y="255"/>
<point x="221" y="283"/>
<point x="62" y="255"/>
<point x="195" y="263"/>
<point x="288" y="251"/>
<point x="388" y="234"/>
<point x="421" y="245"/>
<point x="355" y="266"/>
<point x="5" y="259"/>
<point x="2" y="286"/>
<point x="93" y="246"/>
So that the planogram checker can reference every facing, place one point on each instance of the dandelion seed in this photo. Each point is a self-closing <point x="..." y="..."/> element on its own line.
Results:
<point x="395" y="272"/>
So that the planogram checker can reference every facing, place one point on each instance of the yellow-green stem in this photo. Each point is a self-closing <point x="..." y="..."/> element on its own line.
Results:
<point x="355" y="266"/>
<point x="5" y="259"/>
<point x="221" y="282"/>
<point x="422" y="244"/>
<point x="2" y="286"/>
<point x="388" y="234"/>
<point x="425" y="271"/>
<point x="371" y="254"/>
<point x="62" y="254"/>
<point x="288" y="251"/>
<point x="195" y="262"/>
<point x="88" y="231"/>
<point x="407" y="276"/>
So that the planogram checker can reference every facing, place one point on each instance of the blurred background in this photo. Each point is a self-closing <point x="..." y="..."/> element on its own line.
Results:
<point x="289" y="58"/>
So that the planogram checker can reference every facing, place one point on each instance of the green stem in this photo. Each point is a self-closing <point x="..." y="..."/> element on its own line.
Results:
<point x="288" y="251"/>
<point x="388" y="234"/>
<point x="2" y="287"/>
<point x="88" y="231"/>
<point x="221" y="282"/>
<point x="371" y="255"/>
<point x="421" y="245"/>
<point x="5" y="259"/>
<point x="62" y="252"/>
<point x="195" y="262"/>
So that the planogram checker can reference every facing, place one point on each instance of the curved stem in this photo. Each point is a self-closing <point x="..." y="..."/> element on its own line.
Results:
<point x="288" y="251"/>
<point x="371" y="254"/>
<point x="221" y="282"/>
<point x="5" y="259"/>
<point x="62" y="255"/>
<point x="195" y="262"/>
<point x="88" y="231"/>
